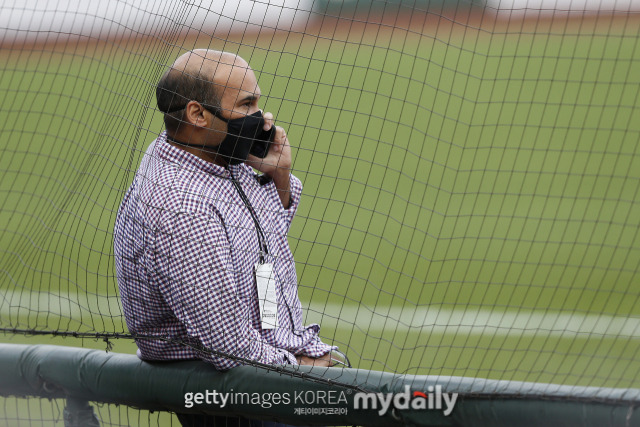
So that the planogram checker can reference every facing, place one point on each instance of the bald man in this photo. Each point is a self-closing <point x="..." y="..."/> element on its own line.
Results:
<point x="200" y="239"/>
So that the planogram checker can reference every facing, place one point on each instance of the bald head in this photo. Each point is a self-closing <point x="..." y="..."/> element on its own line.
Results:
<point x="198" y="75"/>
<point x="213" y="64"/>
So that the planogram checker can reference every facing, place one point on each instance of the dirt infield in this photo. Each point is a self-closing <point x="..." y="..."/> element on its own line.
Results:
<point x="483" y="21"/>
<point x="361" y="29"/>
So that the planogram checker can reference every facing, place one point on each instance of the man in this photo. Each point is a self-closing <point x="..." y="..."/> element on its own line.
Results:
<point x="197" y="225"/>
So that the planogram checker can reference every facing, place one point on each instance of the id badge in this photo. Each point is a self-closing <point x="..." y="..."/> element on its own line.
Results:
<point x="267" y="298"/>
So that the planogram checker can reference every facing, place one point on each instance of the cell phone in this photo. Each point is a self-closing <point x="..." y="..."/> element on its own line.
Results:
<point x="262" y="142"/>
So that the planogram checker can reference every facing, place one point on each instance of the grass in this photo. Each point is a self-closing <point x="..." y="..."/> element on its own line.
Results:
<point x="477" y="174"/>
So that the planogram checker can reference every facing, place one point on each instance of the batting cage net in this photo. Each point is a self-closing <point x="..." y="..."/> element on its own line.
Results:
<point x="467" y="205"/>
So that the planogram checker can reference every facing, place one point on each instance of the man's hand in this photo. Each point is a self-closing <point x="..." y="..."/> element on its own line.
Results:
<point x="323" y="361"/>
<point x="277" y="163"/>
<point x="278" y="159"/>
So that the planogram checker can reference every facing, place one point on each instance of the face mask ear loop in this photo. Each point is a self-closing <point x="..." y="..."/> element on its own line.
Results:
<point x="218" y="115"/>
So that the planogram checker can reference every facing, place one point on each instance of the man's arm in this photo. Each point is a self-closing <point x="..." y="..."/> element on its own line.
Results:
<point x="196" y="277"/>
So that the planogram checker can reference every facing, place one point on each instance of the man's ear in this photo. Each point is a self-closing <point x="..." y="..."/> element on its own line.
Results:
<point x="194" y="115"/>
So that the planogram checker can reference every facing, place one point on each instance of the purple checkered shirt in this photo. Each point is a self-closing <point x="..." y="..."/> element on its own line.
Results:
<point x="185" y="250"/>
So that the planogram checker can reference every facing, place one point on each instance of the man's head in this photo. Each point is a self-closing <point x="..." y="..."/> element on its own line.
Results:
<point x="201" y="91"/>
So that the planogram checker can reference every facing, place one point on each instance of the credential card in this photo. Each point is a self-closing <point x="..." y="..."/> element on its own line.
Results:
<point x="267" y="299"/>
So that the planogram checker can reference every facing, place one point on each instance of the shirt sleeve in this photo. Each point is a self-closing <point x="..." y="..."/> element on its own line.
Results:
<point x="314" y="346"/>
<point x="296" y="193"/>
<point x="194" y="269"/>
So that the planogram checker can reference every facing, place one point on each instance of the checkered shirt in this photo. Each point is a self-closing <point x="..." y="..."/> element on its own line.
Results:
<point x="185" y="249"/>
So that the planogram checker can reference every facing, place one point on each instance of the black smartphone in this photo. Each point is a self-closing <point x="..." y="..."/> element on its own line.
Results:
<point x="262" y="142"/>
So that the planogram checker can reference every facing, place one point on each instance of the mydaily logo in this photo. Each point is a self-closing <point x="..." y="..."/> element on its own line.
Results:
<point x="433" y="399"/>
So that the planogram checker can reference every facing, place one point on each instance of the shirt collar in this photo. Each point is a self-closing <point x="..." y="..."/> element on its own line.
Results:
<point x="169" y="153"/>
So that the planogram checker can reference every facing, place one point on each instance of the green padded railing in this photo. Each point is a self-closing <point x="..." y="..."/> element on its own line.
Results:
<point x="81" y="375"/>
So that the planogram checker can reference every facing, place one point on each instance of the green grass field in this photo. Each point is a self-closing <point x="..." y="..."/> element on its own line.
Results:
<point x="470" y="207"/>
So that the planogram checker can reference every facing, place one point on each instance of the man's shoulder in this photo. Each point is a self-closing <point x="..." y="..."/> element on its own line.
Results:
<point x="164" y="186"/>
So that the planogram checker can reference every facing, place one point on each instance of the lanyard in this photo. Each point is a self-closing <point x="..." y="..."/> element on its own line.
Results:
<point x="262" y="241"/>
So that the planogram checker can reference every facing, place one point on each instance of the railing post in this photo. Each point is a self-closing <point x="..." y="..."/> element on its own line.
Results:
<point x="78" y="413"/>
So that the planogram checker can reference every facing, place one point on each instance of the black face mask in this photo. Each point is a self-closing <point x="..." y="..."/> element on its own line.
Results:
<point x="245" y="136"/>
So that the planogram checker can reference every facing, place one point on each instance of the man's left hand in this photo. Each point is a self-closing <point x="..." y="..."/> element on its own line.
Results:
<point x="323" y="361"/>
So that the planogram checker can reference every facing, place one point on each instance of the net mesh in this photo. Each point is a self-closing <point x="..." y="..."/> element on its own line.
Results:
<point x="471" y="172"/>
<point x="48" y="413"/>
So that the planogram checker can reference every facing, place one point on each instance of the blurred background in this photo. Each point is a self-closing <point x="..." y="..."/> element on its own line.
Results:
<point x="36" y="20"/>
